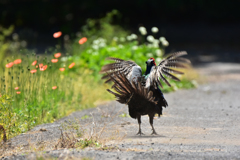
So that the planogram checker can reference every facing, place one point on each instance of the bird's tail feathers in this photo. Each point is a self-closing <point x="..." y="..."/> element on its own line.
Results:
<point x="125" y="90"/>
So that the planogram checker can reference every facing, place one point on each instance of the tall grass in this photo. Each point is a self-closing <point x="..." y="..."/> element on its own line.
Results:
<point x="28" y="99"/>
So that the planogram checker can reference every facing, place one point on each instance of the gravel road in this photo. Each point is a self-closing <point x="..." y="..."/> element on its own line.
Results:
<point x="201" y="123"/>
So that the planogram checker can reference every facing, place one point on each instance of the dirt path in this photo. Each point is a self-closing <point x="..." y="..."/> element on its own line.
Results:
<point x="199" y="123"/>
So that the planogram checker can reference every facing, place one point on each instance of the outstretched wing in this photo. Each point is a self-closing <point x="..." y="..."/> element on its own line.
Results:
<point x="165" y="68"/>
<point x="129" y="92"/>
<point x="127" y="68"/>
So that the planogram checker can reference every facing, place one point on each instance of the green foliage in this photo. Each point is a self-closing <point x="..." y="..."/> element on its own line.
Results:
<point x="94" y="57"/>
<point x="95" y="28"/>
<point x="4" y="45"/>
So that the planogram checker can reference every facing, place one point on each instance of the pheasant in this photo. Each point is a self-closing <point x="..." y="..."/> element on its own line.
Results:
<point x="141" y="92"/>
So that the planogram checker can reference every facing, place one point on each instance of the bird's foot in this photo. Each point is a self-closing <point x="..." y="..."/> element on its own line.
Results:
<point x="154" y="133"/>
<point x="140" y="133"/>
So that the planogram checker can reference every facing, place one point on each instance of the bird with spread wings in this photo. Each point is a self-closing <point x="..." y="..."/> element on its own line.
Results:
<point x="141" y="92"/>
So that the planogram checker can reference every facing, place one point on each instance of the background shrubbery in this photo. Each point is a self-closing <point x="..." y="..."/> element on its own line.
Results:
<point x="54" y="86"/>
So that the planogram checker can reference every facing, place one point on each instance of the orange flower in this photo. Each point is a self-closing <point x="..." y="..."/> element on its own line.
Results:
<point x="40" y="65"/>
<point x="54" y="60"/>
<point x="57" y="55"/>
<point x="33" y="71"/>
<point x="57" y="34"/>
<point x="34" y="63"/>
<point x="71" y="65"/>
<point x="62" y="69"/>
<point x="43" y="68"/>
<point x="82" y="40"/>
<point x="54" y="87"/>
<point x="16" y="88"/>
<point x="9" y="65"/>
<point x="0" y="95"/>
<point x="18" y="92"/>
<point x="17" y="61"/>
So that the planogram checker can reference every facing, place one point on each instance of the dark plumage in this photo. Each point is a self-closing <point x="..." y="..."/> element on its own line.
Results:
<point x="141" y="92"/>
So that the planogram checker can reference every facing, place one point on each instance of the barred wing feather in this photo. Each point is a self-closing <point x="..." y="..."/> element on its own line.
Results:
<point x="165" y="68"/>
<point x="129" y="69"/>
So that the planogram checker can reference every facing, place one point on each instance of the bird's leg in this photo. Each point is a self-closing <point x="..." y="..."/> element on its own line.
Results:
<point x="139" y="123"/>
<point x="151" y="123"/>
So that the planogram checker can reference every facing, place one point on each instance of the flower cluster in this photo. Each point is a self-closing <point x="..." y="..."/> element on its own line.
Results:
<point x="143" y="31"/>
<point x="153" y="41"/>
<point x="164" y="41"/>
<point x="17" y="61"/>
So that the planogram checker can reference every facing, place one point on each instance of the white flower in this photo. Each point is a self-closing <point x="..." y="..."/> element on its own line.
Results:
<point x="110" y="49"/>
<point x="149" y="55"/>
<point x="113" y="48"/>
<point x="120" y="46"/>
<point x="150" y="38"/>
<point x="96" y="42"/>
<point x="149" y="45"/>
<point x="165" y="43"/>
<point x="143" y="30"/>
<point x="134" y="47"/>
<point x="101" y="40"/>
<point x="154" y="29"/>
<point x="102" y="44"/>
<point x="95" y="47"/>
<point x="134" y="36"/>
<point x="129" y="38"/>
<point x="64" y="59"/>
<point x="122" y="39"/>
<point x="158" y="52"/>
<point x="162" y="39"/>
<point x="115" y="39"/>
<point x="158" y="60"/>
<point x="155" y="43"/>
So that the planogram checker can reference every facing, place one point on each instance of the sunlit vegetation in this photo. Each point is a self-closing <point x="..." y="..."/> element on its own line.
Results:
<point x="37" y="88"/>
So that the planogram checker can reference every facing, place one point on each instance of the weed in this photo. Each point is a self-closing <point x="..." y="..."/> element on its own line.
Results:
<point x="124" y="115"/>
<point x="85" y="117"/>
<point x="87" y="143"/>
<point x="3" y="133"/>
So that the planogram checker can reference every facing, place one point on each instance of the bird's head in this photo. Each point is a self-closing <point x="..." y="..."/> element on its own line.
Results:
<point x="151" y="62"/>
